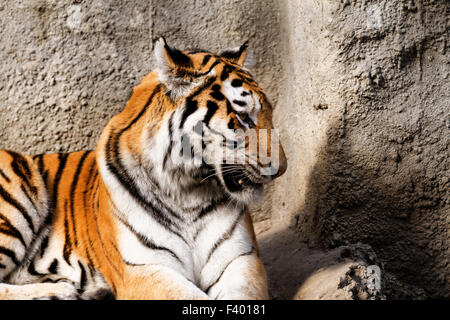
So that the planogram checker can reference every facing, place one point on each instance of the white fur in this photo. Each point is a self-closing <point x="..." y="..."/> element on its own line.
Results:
<point x="253" y="106"/>
<point x="194" y="266"/>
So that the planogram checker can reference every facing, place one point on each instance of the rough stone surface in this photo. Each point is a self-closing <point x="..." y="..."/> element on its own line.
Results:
<point x="344" y="281"/>
<point x="299" y="271"/>
<point x="365" y="120"/>
<point x="361" y="90"/>
<point x="382" y="176"/>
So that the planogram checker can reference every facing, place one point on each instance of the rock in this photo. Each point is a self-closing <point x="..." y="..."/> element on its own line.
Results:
<point x="306" y="271"/>
<point x="347" y="280"/>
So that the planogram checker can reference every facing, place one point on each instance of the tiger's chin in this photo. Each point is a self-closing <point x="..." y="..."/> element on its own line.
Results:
<point x="241" y="186"/>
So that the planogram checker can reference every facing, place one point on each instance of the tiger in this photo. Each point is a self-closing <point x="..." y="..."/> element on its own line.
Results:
<point x="136" y="218"/>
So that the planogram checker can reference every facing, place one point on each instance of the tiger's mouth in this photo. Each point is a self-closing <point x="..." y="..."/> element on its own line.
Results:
<point x="236" y="179"/>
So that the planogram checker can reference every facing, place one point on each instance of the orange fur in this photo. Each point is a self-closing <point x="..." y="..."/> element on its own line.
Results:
<point x="80" y="206"/>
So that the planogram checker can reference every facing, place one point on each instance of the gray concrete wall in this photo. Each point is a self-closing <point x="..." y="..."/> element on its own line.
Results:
<point x="361" y="91"/>
<point x="377" y="89"/>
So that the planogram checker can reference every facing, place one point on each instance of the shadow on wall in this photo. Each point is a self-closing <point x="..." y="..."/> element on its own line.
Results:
<point x="354" y="202"/>
<point x="367" y="198"/>
<point x="290" y="262"/>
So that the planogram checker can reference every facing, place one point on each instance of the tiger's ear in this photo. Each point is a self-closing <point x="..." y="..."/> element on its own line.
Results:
<point x="169" y="62"/>
<point x="239" y="55"/>
<point x="170" y="57"/>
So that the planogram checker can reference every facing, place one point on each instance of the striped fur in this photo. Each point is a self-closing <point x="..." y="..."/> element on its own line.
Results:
<point x="130" y="220"/>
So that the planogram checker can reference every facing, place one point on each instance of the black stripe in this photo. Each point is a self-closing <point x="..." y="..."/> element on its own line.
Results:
<point x="62" y="157"/>
<point x="13" y="202"/>
<point x="194" y="74"/>
<point x="30" y="198"/>
<point x="7" y="228"/>
<point x="44" y="177"/>
<point x="146" y="242"/>
<point x="169" y="148"/>
<point x="22" y="170"/>
<point x="236" y="83"/>
<point x="89" y="259"/>
<point x="20" y="160"/>
<point x="41" y="168"/>
<point x="13" y="233"/>
<point x="202" y="87"/>
<point x="133" y="264"/>
<point x="211" y="207"/>
<point x="191" y="107"/>
<point x="215" y="63"/>
<point x="223" y="271"/>
<point x="67" y="242"/>
<point x="217" y="95"/>
<point x="206" y="59"/>
<point x="100" y="237"/>
<point x="4" y="176"/>
<point x="240" y="103"/>
<point x="83" y="277"/>
<point x="72" y="194"/>
<point x="144" y="109"/>
<point x="231" y="124"/>
<point x="229" y="107"/>
<point x="91" y="267"/>
<point x="201" y="74"/>
<point x="9" y="254"/>
<point x="2" y="266"/>
<point x="32" y="270"/>
<point x="50" y="280"/>
<point x="212" y="108"/>
<point x="53" y="268"/>
<point x="40" y="162"/>
<point x="226" y="236"/>
<point x="91" y="175"/>
<point x="227" y="69"/>
<point x="44" y="245"/>
<point x="91" y="179"/>
<point x="62" y="164"/>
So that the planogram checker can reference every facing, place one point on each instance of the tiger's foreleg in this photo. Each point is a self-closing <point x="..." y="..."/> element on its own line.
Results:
<point x="156" y="282"/>
<point x="243" y="279"/>
<point x="38" y="291"/>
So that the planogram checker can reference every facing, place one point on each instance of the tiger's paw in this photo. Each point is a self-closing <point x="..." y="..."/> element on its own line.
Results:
<point x="39" y="291"/>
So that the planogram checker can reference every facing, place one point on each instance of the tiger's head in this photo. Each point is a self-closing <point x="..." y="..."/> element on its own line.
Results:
<point x="200" y="119"/>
